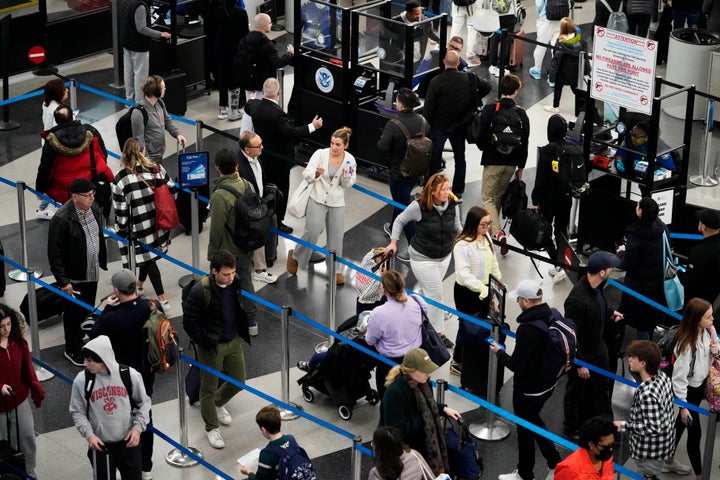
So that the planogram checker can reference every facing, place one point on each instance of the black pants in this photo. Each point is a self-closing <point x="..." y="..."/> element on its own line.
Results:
<point x="556" y="210"/>
<point x="150" y="269"/>
<point x="528" y="408"/>
<point x="585" y="399"/>
<point x="278" y="172"/>
<point x="468" y="302"/>
<point x="695" y="395"/>
<point x="74" y="314"/>
<point x="125" y="460"/>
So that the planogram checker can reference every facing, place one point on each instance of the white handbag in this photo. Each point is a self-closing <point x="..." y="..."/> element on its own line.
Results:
<point x="297" y="206"/>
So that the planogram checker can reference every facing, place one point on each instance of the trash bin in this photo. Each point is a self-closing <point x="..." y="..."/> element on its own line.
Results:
<point x="688" y="60"/>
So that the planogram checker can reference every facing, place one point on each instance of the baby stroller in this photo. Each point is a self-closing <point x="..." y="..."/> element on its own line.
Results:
<point x="343" y="375"/>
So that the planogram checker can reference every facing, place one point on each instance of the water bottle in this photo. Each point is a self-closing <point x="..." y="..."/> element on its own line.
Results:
<point x="348" y="168"/>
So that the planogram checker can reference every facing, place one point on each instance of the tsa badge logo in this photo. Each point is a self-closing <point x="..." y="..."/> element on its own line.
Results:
<point x="324" y="80"/>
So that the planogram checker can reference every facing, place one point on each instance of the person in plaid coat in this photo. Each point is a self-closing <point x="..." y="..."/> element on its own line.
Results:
<point x="134" y="204"/>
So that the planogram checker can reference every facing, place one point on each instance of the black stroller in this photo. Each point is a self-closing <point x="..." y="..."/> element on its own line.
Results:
<point x="343" y="374"/>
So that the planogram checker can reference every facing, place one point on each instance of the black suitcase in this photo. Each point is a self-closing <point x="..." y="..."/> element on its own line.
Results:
<point x="183" y="207"/>
<point x="49" y="303"/>
<point x="475" y="360"/>
<point x="175" y="96"/>
<point x="11" y="460"/>
<point x="273" y="195"/>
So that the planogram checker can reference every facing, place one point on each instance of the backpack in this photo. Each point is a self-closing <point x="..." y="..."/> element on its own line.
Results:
<point x="205" y="282"/>
<point x="514" y="199"/>
<point x="667" y="344"/>
<point x="418" y="152"/>
<point x="123" y="127"/>
<point x="617" y="20"/>
<point x="557" y="9"/>
<point x="253" y="218"/>
<point x="126" y="380"/>
<point x="294" y="462"/>
<point x="160" y="341"/>
<point x="501" y="6"/>
<point x="245" y="69"/>
<point x="570" y="170"/>
<point x="506" y="130"/>
<point x="531" y="229"/>
<point x="560" y="345"/>
<point x="463" y="3"/>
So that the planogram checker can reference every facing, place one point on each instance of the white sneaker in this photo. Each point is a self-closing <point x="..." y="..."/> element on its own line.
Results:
<point x="234" y="115"/>
<point x="223" y="416"/>
<point x="222" y="113"/>
<point x="552" y="271"/>
<point x="676" y="467"/>
<point x="215" y="439"/>
<point x="253" y="330"/>
<point x="46" y="214"/>
<point x="166" y="307"/>
<point x="146" y="476"/>
<point x="514" y="475"/>
<point x="265" y="277"/>
<point x="551" y="474"/>
<point x="551" y="109"/>
<point x="560" y="275"/>
<point x="493" y="70"/>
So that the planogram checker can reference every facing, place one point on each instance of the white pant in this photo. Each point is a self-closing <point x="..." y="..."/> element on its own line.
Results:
<point x="430" y="274"/>
<point x="27" y="433"/>
<point x="547" y="32"/>
<point x="136" y="67"/>
<point x="460" y="18"/>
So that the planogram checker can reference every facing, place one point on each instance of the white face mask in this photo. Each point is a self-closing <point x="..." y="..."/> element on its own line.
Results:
<point x="221" y="285"/>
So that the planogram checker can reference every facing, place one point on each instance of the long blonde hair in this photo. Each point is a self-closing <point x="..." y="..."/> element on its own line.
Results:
<point x="132" y="156"/>
<point x="394" y="371"/>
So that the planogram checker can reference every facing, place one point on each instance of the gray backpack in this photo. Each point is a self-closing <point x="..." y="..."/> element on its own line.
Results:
<point x="617" y="20"/>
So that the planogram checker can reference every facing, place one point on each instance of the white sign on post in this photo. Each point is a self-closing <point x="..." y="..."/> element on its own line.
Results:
<point x="664" y="199"/>
<point x="624" y="69"/>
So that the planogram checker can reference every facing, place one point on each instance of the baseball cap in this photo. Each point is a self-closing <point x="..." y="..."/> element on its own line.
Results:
<point x="601" y="260"/>
<point x="124" y="280"/>
<point x="709" y="218"/>
<point x="529" y="289"/>
<point x="418" y="359"/>
<point x="82" y="185"/>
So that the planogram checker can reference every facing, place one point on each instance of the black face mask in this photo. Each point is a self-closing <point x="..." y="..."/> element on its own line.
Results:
<point x="604" y="453"/>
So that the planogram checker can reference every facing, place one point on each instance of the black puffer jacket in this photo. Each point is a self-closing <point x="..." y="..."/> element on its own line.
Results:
<point x="566" y="57"/>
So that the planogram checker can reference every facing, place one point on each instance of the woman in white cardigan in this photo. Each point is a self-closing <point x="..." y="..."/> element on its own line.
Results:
<point x="330" y="171"/>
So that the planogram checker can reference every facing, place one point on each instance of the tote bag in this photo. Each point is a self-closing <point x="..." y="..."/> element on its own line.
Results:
<point x="166" y="214"/>
<point x="297" y="206"/>
<point x="431" y="341"/>
<point x="674" y="290"/>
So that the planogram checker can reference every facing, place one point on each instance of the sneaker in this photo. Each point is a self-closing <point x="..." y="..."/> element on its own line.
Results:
<point x="502" y="240"/>
<point x="676" y="467"/>
<point x="303" y="365"/>
<point x="234" y="115"/>
<point x="215" y="439"/>
<point x="560" y="275"/>
<point x="551" y="84"/>
<point x="339" y="279"/>
<point x="455" y="368"/>
<point x="291" y="265"/>
<point x="75" y="358"/>
<point x="387" y="228"/>
<point x="403" y="257"/>
<point x="551" y="109"/>
<point x="535" y="73"/>
<point x="473" y="61"/>
<point x="551" y="474"/>
<point x="265" y="276"/>
<point x="514" y="475"/>
<point x="46" y="214"/>
<point x="140" y="291"/>
<point x="223" y="416"/>
<point x="448" y="343"/>
<point x="166" y="307"/>
<point x="316" y="257"/>
<point x="494" y="71"/>
<point x="552" y="271"/>
<point x="222" y="113"/>
<point x="146" y="476"/>
<point x="253" y="329"/>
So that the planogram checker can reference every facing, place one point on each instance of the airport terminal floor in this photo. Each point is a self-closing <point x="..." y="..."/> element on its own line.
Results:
<point x="61" y="450"/>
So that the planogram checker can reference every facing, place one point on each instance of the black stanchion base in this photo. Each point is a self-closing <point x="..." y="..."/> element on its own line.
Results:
<point x="9" y="125"/>
<point x="45" y="71"/>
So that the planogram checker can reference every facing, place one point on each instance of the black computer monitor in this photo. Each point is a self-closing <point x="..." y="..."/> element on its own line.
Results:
<point x="497" y="293"/>
<point x="568" y="256"/>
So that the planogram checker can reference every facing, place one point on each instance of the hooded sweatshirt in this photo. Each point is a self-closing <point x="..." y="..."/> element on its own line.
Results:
<point x="110" y="416"/>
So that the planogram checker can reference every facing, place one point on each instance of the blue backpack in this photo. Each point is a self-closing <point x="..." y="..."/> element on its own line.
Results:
<point x="294" y="462"/>
<point x="560" y="346"/>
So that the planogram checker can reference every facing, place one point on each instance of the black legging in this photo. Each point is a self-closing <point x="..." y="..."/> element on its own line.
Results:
<point x="695" y="395"/>
<point x="150" y="269"/>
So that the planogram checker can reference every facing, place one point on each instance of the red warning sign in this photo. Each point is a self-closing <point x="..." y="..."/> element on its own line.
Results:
<point x="36" y="54"/>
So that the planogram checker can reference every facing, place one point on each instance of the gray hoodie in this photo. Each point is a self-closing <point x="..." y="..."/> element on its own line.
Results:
<point x="110" y="415"/>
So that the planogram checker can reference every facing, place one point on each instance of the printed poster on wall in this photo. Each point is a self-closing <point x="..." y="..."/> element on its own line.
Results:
<point x="624" y="70"/>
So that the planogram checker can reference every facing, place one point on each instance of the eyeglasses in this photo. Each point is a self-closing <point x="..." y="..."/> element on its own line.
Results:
<point x="259" y="145"/>
<point x="86" y="195"/>
<point x="484" y="224"/>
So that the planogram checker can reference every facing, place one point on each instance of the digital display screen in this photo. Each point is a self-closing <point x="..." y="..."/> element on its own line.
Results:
<point x="193" y="169"/>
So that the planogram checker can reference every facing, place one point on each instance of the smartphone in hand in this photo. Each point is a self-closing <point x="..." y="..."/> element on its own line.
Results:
<point x="492" y="341"/>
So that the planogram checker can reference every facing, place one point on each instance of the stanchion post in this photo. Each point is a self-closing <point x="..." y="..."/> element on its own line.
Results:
<point x="709" y="444"/>
<point x="493" y="429"/>
<point x="176" y="457"/>
<point x="73" y="98"/>
<point x="199" y="136"/>
<point x="280" y="75"/>
<point x="332" y="293"/>
<point x="286" y="414"/>
<point x="17" y="274"/>
<point x="195" y="230"/>
<point x="356" y="458"/>
<point x="132" y="264"/>
<point x="41" y="373"/>
<point x="442" y="386"/>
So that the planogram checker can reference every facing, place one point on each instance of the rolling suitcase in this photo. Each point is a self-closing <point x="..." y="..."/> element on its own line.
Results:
<point x="12" y="460"/>
<point x="183" y="207"/>
<point x="49" y="304"/>
<point x="175" y="97"/>
<point x="517" y="51"/>
<point x="96" y="472"/>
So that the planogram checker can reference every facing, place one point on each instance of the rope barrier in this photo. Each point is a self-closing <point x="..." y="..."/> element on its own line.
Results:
<point x="645" y="299"/>
<point x="58" y="374"/>
<point x="200" y="197"/>
<point x="189" y="453"/>
<point x="377" y="196"/>
<point x="21" y="97"/>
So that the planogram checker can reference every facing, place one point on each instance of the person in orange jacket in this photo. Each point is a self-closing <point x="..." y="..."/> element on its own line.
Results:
<point x="594" y="459"/>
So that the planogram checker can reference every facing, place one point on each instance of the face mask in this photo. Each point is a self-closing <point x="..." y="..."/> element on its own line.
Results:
<point x="605" y="454"/>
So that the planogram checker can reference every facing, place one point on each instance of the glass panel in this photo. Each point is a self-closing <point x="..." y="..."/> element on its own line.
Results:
<point x="59" y="9"/>
<point x="322" y="27"/>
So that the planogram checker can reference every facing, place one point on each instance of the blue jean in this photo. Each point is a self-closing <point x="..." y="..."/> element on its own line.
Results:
<point x="457" y="142"/>
<point x="693" y="19"/>
<point x="400" y="189"/>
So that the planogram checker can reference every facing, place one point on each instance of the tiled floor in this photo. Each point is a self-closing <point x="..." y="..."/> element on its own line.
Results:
<point x="61" y="450"/>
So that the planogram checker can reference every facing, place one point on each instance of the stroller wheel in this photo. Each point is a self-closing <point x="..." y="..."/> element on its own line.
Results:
<point x="345" y="412"/>
<point x="308" y="395"/>
<point x="373" y="398"/>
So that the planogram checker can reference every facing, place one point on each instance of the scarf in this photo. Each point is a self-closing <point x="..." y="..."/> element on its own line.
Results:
<point x="436" y="451"/>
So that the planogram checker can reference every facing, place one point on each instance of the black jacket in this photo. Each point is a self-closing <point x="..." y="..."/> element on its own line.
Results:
<point x="67" y="251"/>
<point x="267" y="57"/>
<point x="450" y="101"/>
<point x="245" y="171"/>
<point x="583" y="308"/>
<point x="277" y="131"/>
<point x="529" y="348"/>
<point x="393" y="143"/>
<point x="491" y="156"/>
<point x="565" y="60"/>
<point x="204" y="325"/>
<point x="701" y="278"/>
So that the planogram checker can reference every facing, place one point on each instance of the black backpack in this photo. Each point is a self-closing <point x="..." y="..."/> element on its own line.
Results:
<point x="245" y="63"/>
<point x="123" y="127"/>
<point x="514" y="199"/>
<point x="557" y="9"/>
<point x="253" y="218"/>
<point x="570" y="170"/>
<point x="418" y="151"/>
<point x="560" y="345"/>
<point x="667" y="343"/>
<point x="506" y="130"/>
<point x="294" y="463"/>
<point x="531" y="229"/>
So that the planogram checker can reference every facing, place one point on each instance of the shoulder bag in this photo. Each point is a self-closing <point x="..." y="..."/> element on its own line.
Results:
<point x="427" y="474"/>
<point x="166" y="214"/>
<point x="431" y="341"/>
<point x="297" y="206"/>
<point x="674" y="290"/>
